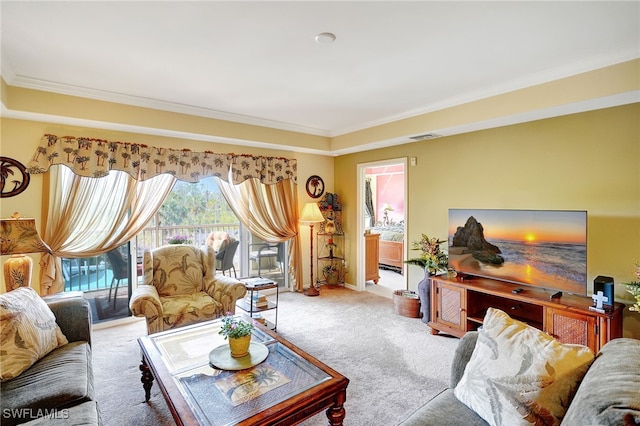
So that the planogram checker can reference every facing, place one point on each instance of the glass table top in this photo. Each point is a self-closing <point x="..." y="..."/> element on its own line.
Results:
<point x="219" y="397"/>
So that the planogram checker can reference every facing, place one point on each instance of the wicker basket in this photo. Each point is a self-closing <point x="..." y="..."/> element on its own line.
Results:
<point x="406" y="303"/>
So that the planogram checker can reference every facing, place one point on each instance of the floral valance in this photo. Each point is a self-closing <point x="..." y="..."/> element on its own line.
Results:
<point x="96" y="157"/>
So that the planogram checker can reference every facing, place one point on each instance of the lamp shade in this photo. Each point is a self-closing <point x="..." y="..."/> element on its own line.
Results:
<point x="19" y="236"/>
<point x="311" y="214"/>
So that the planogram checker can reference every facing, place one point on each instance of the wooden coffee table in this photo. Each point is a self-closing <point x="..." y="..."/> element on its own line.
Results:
<point x="293" y="385"/>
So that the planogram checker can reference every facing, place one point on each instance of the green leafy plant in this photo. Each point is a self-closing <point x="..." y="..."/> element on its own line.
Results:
<point x="633" y="287"/>
<point x="432" y="257"/>
<point x="233" y="327"/>
<point x="331" y="273"/>
<point x="330" y="269"/>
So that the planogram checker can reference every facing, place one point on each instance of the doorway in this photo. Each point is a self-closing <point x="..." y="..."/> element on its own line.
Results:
<point x="382" y="210"/>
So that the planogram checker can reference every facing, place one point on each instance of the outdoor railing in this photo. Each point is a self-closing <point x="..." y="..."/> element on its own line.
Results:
<point x="156" y="236"/>
<point x="87" y="274"/>
<point x="95" y="273"/>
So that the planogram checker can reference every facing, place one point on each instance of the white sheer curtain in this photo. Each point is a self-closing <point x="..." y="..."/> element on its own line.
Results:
<point x="89" y="216"/>
<point x="112" y="189"/>
<point x="270" y="212"/>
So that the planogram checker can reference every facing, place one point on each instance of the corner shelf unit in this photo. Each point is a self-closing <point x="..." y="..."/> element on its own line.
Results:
<point x="255" y="285"/>
<point x="331" y="268"/>
<point x="459" y="305"/>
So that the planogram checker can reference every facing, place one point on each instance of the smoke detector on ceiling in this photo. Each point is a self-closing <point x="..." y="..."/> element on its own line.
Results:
<point x="325" y="38"/>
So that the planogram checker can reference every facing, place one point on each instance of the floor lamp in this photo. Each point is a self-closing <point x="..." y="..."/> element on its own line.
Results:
<point x="311" y="215"/>
<point x="19" y="237"/>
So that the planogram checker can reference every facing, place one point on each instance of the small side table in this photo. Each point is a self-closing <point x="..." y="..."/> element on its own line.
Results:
<point x="254" y="285"/>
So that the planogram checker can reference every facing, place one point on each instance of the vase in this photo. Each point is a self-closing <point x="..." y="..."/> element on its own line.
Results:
<point x="331" y="278"/>
<point x="239" y="346"/>
<point x="424" y="292"/>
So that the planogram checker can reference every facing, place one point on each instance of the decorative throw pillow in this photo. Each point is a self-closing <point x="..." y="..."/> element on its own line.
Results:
<point x="29" y="331"/>
<point x="218" y="240"/>
<point x="519" y="375"/>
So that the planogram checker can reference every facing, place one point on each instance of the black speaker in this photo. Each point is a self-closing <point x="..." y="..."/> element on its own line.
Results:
<point x="605" y="285"/>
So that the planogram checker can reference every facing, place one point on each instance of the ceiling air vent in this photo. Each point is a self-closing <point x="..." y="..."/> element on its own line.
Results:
<point x="425" y="136"/>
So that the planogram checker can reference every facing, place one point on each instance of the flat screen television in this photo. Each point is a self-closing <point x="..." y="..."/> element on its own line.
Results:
<point x="542" y="248"/>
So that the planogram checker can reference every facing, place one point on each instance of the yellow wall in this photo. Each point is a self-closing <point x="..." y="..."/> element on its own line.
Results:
<point x="588" y="161"/>
<point x="19" y="139"/>
<point x="585" y="87"/>
<point x="107" y="113"/>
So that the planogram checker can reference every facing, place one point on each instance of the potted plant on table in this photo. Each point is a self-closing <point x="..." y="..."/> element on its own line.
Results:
<point x="239" y="334"/>
<point x="432" y="260"/>
<point x="633" y="287"/>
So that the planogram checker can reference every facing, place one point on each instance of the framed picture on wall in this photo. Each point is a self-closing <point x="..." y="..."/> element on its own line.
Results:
<point x="315" y="186"/>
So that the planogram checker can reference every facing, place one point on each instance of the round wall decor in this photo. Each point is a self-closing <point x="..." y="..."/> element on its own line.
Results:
<point x="315" y="186"/>
<point x="13" y="177"/>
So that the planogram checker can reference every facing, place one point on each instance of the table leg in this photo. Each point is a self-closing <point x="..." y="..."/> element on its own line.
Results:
<point x="146" y="379"/>
<point x="336" y="413"/>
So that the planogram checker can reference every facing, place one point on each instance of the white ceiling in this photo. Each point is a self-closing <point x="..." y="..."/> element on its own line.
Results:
<point x="258" y="63"/>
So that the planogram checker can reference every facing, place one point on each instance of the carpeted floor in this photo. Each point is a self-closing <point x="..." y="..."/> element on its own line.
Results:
<point x="393" y="362"/>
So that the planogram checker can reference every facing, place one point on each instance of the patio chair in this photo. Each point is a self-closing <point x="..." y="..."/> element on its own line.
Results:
<point x="267" y="251"/>
<point x="182" y="288"/>
<point x="219" y="240"/>
<point x="120" y="270"/>
<point x="226" y="263"/>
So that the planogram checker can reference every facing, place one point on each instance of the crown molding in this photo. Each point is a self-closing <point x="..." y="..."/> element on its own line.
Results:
<point x="120" y="98"/>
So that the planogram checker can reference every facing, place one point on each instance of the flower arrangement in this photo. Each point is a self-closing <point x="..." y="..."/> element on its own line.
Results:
<point x="179" y="239"/>
<point x="633" y="287"/>
<point x="331" y="273"/>
<point x="330" y="268"/>
<point x="432" y="258"/>
<point x="233" y="328"/>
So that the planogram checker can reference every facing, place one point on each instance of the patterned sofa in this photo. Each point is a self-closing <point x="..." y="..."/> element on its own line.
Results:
<point x="182" y="288"/>
<point x="608" y="393"/>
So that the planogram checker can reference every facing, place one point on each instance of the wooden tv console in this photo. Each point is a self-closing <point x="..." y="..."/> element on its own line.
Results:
<point x="459" y="305"/>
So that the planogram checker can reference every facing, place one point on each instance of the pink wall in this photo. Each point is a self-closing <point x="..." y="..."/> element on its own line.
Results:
<point x="389" y="189"/>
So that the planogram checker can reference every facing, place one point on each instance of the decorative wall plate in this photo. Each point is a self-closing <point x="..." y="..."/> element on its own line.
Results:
<point x="13" y="177"/>
<point x="315" y="186"/>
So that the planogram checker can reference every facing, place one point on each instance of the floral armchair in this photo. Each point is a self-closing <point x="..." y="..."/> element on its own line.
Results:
<point x="181" y="288"/>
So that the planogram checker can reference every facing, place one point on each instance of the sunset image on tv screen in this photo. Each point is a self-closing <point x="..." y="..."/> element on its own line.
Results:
<point x="542" y="248"/>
